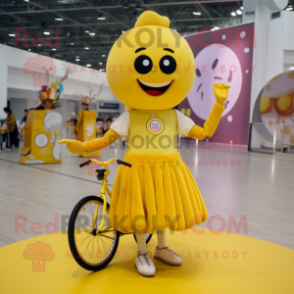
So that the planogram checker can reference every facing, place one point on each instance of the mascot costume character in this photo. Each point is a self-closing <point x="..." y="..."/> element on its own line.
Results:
<point x="151" y="69"/>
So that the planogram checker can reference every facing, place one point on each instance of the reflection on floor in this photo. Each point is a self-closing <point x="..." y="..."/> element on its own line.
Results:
<point x="256" y="189"/>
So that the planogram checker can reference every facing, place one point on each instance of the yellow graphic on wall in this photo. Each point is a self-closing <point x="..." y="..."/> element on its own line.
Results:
<point x="42" y="132"/>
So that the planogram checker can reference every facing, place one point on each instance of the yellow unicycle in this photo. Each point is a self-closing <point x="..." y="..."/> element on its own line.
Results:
<point x="92" y="240"/>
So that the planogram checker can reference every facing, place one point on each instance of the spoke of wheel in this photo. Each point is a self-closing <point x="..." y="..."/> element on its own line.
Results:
<point x="107" y="231"/>
<point x="106" y="236"/>
<point x="98" y="249"/>
<point x="93" y="248"/>
<point x="103" y="247"/>
<point x="83" y="241"/>
<point x="93" y="242"/>
<point x="98" y="244"/>
<point x="87" y="246"/>
<point x="89" y="243"/>
<point x="91" y="207"/>
<point x="98" y="220"/>
<point x="86" y="219"/>
<point x="84" y="211"/>
<point x="90" y="211"/>
<point x="82" y="238"/>
<point x="108" y="246"/>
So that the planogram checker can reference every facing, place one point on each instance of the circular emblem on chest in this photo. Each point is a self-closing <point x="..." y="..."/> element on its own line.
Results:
<point x="155" y="125"/>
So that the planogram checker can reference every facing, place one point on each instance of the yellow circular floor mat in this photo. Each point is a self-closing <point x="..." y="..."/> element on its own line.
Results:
<point x="212" y="263"/>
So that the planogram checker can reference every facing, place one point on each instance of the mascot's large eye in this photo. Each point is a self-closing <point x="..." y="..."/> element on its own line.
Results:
<point x="167" y="64"/>
<point x="143" y="64"/>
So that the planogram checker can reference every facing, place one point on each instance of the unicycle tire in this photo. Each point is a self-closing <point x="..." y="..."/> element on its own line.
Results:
<point x="107" y="242"/>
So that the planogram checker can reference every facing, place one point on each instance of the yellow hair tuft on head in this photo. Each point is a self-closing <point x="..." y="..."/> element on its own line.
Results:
<point x="150" y="18"/>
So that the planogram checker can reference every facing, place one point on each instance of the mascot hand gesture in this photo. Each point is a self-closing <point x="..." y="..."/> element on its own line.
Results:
<point x="221" y="92"/>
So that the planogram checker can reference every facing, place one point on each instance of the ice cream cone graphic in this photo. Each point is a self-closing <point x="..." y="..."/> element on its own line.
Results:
<point x="39" y="253"/>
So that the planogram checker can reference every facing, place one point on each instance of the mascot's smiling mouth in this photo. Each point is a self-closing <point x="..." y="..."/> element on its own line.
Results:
<point x="154" y="89"/>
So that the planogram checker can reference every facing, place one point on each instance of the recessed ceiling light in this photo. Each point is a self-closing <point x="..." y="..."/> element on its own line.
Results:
<point x="53" y="49"/>
<point x="77" y="59"/>
<point x="29" y="49"/>
<point x="215" y="28"/>
<point x="101" y="18"/>
<point x="39" y="45"/>
<point x="103" y="55"/>
<point x="27" y="0"/>
<point x="92" y="34"/>
<point x="88" y="65"/>
<point x="239" y="12"/>
<point x="47" y="33"/>
<point x="289" y="8"/>
<point x="233" y="13"/>
<point x="86" y="48"/>
<point x="197" y="13"/>
<point x="241" y="7"/>
<point x="100" y="62"/>
<point x="59" y="19"/>
<point x="87" y="31"/>
<point x="11" y="35"/>
<point x="123" y="32"/>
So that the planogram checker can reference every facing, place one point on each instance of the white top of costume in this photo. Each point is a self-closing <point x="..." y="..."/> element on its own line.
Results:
<point x="122" y="124"/>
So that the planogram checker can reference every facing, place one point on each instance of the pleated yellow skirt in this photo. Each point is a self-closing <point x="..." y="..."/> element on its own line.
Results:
<point x="157" y="192"/>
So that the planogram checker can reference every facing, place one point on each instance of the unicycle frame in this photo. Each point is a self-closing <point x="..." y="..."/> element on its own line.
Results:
<point x="104" y="189"/>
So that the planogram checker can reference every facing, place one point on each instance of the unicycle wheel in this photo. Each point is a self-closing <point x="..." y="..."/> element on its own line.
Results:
<point x="91" y="251"/>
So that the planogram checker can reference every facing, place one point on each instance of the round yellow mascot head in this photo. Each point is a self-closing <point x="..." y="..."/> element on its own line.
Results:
<point x="151" y="67"/>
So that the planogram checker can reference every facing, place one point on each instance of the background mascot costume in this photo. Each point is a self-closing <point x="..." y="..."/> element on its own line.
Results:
<point x="151" y="69"/>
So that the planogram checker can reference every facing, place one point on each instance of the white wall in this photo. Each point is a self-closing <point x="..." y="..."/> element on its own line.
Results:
<point x="260" y="17"/>
<point x="259" y="77"/>
<point x="288" y="40"/>
<point x="3" y="80"/>
<point x="280" y="44"/>
<point x="16" y="83"/>
<point x="260" y="11"/>
<point x="31" y="103"/>
<point x="274" y="51"/>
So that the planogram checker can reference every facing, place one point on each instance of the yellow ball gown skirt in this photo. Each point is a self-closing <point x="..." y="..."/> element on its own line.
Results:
<point x="158" y="191"/>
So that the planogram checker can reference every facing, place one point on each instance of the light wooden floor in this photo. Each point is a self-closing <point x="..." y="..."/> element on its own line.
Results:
<point x="258" y="186"/>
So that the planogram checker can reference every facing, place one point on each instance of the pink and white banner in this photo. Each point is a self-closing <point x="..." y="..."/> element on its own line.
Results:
<point x="222" y="56"/>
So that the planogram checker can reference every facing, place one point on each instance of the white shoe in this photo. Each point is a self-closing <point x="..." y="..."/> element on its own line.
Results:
<point x="145" y="265"/>
<point x="168" y="256"/>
